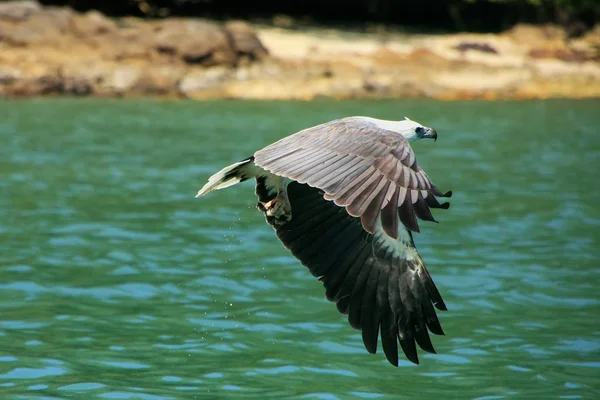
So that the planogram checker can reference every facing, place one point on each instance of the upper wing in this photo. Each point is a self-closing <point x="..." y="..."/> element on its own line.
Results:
<point x="377" y="281"/>
<point x="370" y="171"/>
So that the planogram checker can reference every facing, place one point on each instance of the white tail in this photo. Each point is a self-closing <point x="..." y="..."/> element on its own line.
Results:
<point x="229" y="176"/>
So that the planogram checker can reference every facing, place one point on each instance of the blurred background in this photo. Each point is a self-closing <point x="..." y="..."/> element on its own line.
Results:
<point x="116" y="283"/>
<point x="458" y="49"/>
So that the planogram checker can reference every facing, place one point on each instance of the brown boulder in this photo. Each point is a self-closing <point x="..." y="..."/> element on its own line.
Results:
<point x="482" y="47"/>
<point x="128" y="44"/>
<point x="159" y="80"/>
<point x="201" y="81"/>
<point x="92" y="23"/>
<point x="592" y="37"/>
<point x="195" y="42"/>
<point x="8" y="78"/>
<point x="120" y="80"/>
<point x="45" y="83"/>
<point x="75" y="86"/>
<point x="81" y="78"/>
<point x="534" y="35"/>
<point x="59" y="18"/>
<point x="18" y="10"/>
<point x="245" y="41"/>
<point x="564" y="54"/>
<point x="9" y="75"/>
<point x="49" y="25"/>
<point x="424" y="56"/>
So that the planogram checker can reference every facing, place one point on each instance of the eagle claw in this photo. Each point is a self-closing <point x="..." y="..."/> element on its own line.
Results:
<point x="278" y="211"/>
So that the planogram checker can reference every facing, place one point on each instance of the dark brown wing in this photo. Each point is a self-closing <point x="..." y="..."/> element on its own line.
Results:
<point x="380" y="283"/>
<point x="370" y="171"/>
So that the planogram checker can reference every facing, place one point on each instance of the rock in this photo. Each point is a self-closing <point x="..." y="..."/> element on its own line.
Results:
<point x="385" y="56"/>
<point x="193" y="84"/>
<point x="575" y="29"/>
<point x="244" y="40"/>
<point x="46" y="26"/>
<point x="564" y="54"/>
<point x="74" y="86"/>
<point x="195" y="42"/>
<point x="60" y="18"/>
<point x="421" y="55"/>
<point x="18" y="36"/>
<point x="533" y="35"/>
<point x="86" y="78"/>
<point x="483" y="47"/>
<point x="93" y="23"/>
<point x="18" y="10"/>
<point x="592" y="37"/>
<point x="128" y="44"/>
<point x="47" y="82"/>
<point x="121" y="79"/>
<point x="43" y="84"/>
<point x="159" y="80"/>
<point x="8" y="77"/>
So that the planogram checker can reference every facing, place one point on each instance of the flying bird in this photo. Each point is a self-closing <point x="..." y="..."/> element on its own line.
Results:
<point x="345" y="197"/>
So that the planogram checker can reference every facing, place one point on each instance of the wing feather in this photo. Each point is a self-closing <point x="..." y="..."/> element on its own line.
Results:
<point x="380" y="283"/>
<point x="356" y="187"/>
<point x="421" y="210"/>
<point x="349" y="183"/>
<point x="370" y="319"/>
<point x="344" y="158"/>
<point x="337" y="178"/>
<point x="369" y="217"/>
<point x="275" y="154"/>
<point x="358" y="290"/>
<point x="407" y="214"/>
<point x="389" y="215"/>
<point x="402" y="195"/>
<point x="361" y="202"/>
<point x="309" y="161"/>
<point x="324" y="176"/>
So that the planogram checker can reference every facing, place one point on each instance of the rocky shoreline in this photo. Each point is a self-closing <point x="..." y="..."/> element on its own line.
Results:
<point x="47" y="51"/>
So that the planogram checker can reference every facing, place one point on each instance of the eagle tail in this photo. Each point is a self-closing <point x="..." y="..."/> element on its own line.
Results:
<point x="229" y="176"/>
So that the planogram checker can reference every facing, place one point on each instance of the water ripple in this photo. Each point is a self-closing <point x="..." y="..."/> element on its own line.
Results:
<point x="33" y="373"/>
<point x="116" y="283"/>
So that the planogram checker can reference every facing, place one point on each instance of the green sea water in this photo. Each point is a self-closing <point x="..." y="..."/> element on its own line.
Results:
<point x="116" y="283"/>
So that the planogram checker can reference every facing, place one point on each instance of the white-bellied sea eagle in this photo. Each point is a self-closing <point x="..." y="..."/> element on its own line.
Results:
<point x="334" y="194"/>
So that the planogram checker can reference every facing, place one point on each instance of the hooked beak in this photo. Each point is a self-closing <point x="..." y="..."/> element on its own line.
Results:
<point x="431" y="134"/>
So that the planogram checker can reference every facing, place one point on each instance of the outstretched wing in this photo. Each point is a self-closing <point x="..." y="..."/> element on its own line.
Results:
<point x="370" y="171"/>
<point x="380" y="283"/>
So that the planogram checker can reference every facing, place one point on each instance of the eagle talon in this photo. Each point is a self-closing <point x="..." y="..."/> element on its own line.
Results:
<point x="278" y="211"/>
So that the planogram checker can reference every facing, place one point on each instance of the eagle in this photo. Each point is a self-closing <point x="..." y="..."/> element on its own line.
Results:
<point x="344" y="197"/>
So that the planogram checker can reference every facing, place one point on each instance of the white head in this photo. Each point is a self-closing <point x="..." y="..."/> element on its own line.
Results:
<point x="411" y="130"/>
